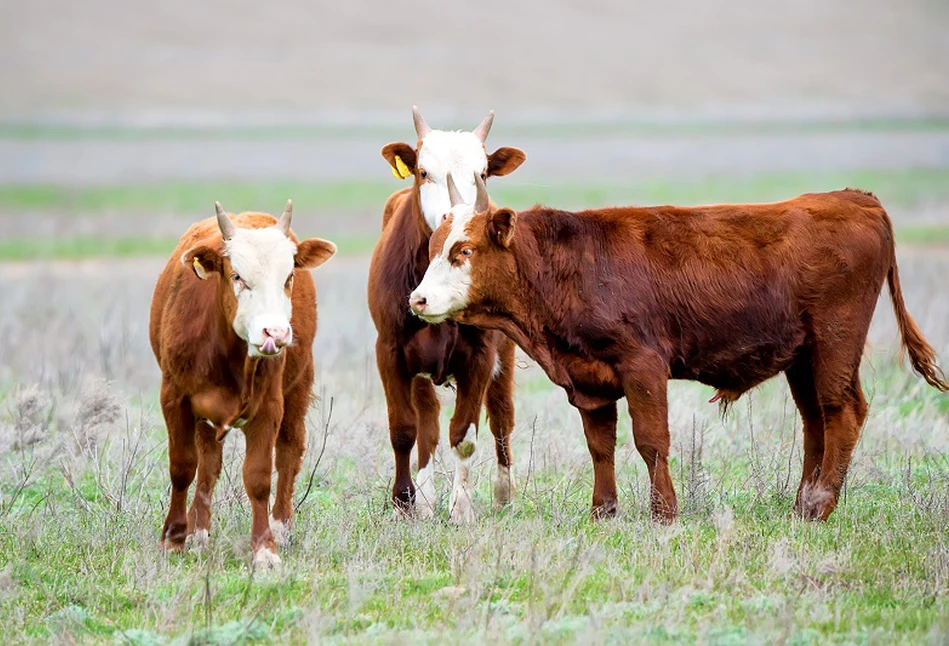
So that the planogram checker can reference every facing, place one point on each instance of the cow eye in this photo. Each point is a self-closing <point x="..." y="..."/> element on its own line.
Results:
<point x="235" y="278"/>
<point x="466" y="251"/>
<point x="423" y="173"/>
<point x="484" y="175"/>
<point x="289" y="282"/>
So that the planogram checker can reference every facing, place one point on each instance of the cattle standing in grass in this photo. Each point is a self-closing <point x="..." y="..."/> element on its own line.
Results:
<point x="615" y="302"/>
<point x="412" y="355"/>
<point x="232" y="325"/>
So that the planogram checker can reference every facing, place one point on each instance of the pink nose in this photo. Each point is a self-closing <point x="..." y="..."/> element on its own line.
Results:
<point x="280" y="335"/>
<point x="418" y="303"/>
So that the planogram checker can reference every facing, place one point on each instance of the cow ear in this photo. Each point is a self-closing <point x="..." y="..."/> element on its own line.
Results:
<point x="203" y="260"/>
<point x="401" y="157"/>
<point x="313" y="252"/>
<point x="505" y="160"/>
<point x="501" y="227"/>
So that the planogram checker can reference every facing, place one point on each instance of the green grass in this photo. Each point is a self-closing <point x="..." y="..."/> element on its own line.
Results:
<point x="737" y="569"/>
<point x="37" y="132"/>
<point x="897" y="187"/>
<point x="84" y="489"/>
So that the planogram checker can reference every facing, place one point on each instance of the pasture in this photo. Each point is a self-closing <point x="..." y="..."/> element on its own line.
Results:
<point x="83" y="474"/>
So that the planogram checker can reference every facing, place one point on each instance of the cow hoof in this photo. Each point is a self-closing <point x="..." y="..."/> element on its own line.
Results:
<point x="503" y="487"/>
<point x="814" y="503"/>
<point x="197" y="540"/>
<point x="266" y="559"/>
<point x="168" y="545"/>
<point x="462" y="511"/>
<point x="425" y="493"/>
<point x="603" y="510"/>
<point x="280" y="531"/>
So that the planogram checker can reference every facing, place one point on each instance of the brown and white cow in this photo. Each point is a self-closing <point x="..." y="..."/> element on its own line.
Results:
<point x="232" y="324"/>
<point x="615" y="302"/>
<point x="412" y="355"/>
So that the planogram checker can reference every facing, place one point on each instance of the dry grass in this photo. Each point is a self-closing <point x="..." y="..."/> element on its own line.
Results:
<point x="84" y="490"/>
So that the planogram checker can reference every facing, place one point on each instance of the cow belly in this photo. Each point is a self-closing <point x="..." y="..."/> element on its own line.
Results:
<point x="219" y="405"/>
<point x="741" y="365"/>
<point x="429" y="351"/>
<point x="593" y="378"/>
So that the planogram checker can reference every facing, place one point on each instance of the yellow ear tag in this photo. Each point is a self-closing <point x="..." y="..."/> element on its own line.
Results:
<point x="400" y="170"/>
<point x="199" y="268"/>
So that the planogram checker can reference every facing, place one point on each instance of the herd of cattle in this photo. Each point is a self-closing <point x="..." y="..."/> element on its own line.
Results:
<point x="610" y="302"/>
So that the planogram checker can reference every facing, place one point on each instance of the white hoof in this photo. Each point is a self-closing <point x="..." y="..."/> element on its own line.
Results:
<point x="503" y="487"/>
<point x="197" y="540"/>
<point x="425" y="492"/>
<point x="462" y="511"/>
<point x="280" y="531"/>
<point x="266" y="559"/>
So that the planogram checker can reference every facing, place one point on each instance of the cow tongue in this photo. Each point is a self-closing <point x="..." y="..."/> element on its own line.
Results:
<point x="269" y="346"/>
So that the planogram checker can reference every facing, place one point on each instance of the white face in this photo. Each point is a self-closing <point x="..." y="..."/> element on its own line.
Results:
<point x="262" y="264"/>
<point x="459" y="153"/>
<point x="447" y="281"/>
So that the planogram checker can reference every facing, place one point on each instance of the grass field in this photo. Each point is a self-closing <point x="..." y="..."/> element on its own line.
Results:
<point x="84" y="490"/>
<point x="347" y="211"/>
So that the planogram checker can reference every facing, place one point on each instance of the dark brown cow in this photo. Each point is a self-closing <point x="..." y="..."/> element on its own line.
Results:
<point x="615" y="302"/>
<point x="232" y="325"/>
<point x="412" y="355"/>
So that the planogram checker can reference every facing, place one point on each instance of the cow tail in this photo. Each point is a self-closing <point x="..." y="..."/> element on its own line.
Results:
<point x="921" y="354"/>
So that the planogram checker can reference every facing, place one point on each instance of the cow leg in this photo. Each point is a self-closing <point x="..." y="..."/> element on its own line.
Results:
<point x="427" y="408"/>
<point x="646" y="396"/>
<point x="500" y="407"/>
<point x="210" y="453"/>
<point x="844" y="416"/>
<point x="290" y="446"/>
<point x="260" y="435"/>
<point x="463" y="432"/>
<point x="182" y="463"/>
<point x="599" y="426"/>
<point x="801" y="382"/>
<point x="397" y="385"/>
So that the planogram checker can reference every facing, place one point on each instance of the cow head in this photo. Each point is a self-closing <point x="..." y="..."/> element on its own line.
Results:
<point x="471" y="260"/>
<point x="439" y="153"/>
<point x="257" y="267"/>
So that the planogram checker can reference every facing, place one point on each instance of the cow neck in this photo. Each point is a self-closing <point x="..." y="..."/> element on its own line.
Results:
<point x="520" y="312"/>
<point x="249" y="371"/>
<point x="246" y="399"/>
<point x="416" y="234"/>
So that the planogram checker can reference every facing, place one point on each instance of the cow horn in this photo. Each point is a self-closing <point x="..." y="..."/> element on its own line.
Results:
<point x="283" y="224"/>
<point x="224" y="223"/>
<point x="482" y="201"/>
<point x="421" y="128"/>
<point x="453" y="195"/>
<point x="481" y="132"/>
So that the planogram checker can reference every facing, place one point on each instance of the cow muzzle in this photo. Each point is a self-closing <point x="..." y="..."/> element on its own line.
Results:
<point x="421" y="308"/>
<point x="275" y="340"/>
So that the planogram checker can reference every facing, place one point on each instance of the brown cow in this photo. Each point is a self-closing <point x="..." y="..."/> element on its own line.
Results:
<point x="232" y="325"/>
<point x="615" y="302"/>
<point x="412" y="355"/>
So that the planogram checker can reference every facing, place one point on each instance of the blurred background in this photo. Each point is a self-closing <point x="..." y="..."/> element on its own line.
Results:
<point x="121" y="123"/>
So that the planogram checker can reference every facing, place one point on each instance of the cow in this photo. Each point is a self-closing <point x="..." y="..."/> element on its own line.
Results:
<point x="413" y="356"/>
<point x="614" y="302"/>
<point x="233" y="319"/>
